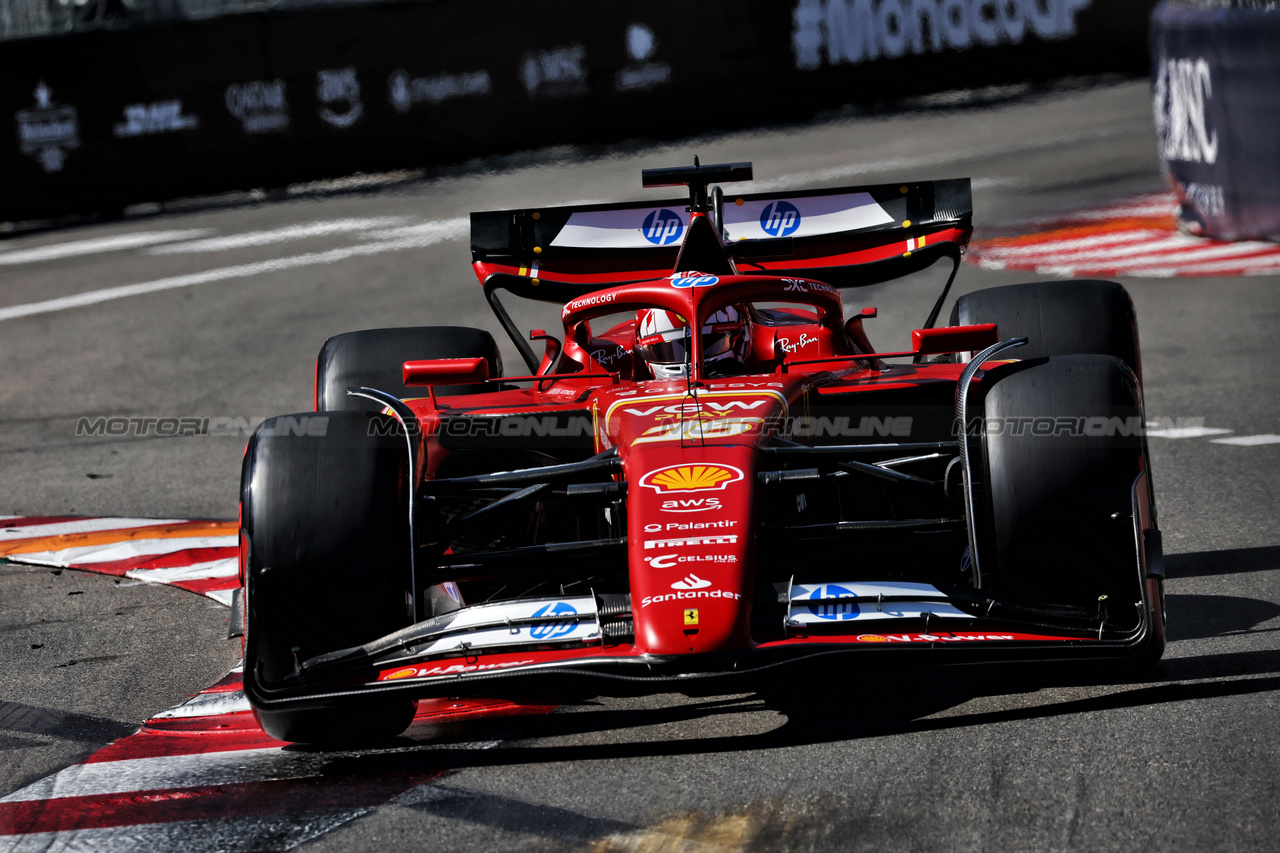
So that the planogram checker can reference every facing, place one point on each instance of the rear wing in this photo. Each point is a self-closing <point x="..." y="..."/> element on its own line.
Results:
<point x="847" y="237"/>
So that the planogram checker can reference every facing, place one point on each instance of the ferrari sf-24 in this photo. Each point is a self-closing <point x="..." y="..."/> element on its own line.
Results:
<point x="709" y="478"/>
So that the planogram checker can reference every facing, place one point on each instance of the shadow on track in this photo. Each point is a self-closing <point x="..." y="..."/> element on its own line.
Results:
<point x="865" y="703"/>
<point x="1230" y="562"/>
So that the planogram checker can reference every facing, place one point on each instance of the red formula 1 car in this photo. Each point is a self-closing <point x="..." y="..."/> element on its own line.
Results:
<point x="709" y="479"/>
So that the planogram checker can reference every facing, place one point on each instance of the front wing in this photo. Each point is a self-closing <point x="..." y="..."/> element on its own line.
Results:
<point x="565" y="646"/>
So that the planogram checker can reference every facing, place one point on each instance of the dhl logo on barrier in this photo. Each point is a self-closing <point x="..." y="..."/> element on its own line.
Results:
<point x="691" y="478"/>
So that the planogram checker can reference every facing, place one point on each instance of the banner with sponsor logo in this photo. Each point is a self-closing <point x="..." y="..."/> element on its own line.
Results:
<point x="114" y="116"/>
<point x="1216" y="98"/>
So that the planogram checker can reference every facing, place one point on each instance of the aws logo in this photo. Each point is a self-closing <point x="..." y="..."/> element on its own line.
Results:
<point x="691" y="505"/>
<point x="691" y="478"/>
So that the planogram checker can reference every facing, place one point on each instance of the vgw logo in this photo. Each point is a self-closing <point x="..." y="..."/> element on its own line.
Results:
<point x="552" y="630"/>
<point x="780" y="219"/>
<point x="662" y="227"/>
<point x="839" y="611"/>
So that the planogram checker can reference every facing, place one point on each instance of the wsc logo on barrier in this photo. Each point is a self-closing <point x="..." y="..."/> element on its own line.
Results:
<point x="662" y="227"/>
<point x="780" y="219"/>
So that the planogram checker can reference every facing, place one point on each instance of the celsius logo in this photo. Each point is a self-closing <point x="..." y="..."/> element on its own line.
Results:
<point x="840" y="611"/>
<point x="780" y="219"/>
<point x="552" y="630"/>
<point x="694" y="280"/>
<point x="662" y="227"/>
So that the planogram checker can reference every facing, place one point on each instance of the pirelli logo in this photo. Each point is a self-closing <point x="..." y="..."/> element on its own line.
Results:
<point x="686" y="541"/>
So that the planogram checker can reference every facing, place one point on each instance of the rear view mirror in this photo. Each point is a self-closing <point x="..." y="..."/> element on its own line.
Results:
<point x="446" y="371"/>
<point x="954" y="339"/>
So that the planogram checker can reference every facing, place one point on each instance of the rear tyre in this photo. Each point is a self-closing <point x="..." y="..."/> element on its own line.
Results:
<point x="1058" y="318"/>
<point x="1062" y="449"/>
<point x="374" y="358"/>
<point x="324" y="509"/>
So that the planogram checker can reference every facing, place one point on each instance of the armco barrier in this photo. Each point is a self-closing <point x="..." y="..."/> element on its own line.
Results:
<point x="111" y="117"/>
<point x="1217" y="109"/>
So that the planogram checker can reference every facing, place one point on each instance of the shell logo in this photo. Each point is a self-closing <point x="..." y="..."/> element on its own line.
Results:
<point x="691" y="478"/>
<point x="409" y="672"/>
<point x="872" y="638"/>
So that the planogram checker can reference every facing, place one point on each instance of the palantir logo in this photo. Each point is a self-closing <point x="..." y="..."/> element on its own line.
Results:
<point x="780" y="219"/>
<point x="840" y="611"/>
<point x="662" y="227"/>
<point x="552" y="630"/>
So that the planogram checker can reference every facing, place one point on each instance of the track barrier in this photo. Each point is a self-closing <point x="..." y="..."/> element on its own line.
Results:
<point x="1217" y="109"/>
<point x="121" y="112"/>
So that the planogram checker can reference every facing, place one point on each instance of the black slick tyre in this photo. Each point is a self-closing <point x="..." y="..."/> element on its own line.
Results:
<point x="1059" y="318"/>
<point x="324" y="512"/>
<point x="373" y="358"/>
<point x="1062" y="448"/>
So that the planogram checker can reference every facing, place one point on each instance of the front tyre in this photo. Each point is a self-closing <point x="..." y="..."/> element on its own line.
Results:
<point x="324" y="510"/>
<point x="1062" y="445"/>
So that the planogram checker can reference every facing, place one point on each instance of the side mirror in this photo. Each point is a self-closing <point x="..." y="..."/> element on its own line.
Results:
<point x="550" y="354"/>
<point x="446" y="371"/>
<point x="954" y="339"/>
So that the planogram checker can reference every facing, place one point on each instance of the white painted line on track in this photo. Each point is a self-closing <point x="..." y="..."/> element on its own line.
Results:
<point x="222" y="596"/>
<point x="171" y="771"/>
<point x="1055" y="247"/>
<point x="1151" y="206"/>
<point x="278" y="235"/>
<point x="87" y="555"/>
<point x="1260" y="265"/>
<point x="1186" y="253"/>
<point x="427" y="234"/>
<point x="1248" y="440"/>
<point x="1186" y="432"/>
<point x="1120" y="246"/>
<point x="207" y="705"/>
<point x="228" y="568"/>
<point x="88" y="525"/>
<point x="97" y="244"/>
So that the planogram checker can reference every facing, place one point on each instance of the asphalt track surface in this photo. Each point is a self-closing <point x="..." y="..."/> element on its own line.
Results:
<point x="980" y="758"/>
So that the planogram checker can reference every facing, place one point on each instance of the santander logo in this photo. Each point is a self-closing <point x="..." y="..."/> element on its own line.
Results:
<point x="691" y="582"/>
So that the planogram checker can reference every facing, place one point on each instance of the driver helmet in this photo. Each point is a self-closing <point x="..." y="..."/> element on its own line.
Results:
<point x="661" y="338"/>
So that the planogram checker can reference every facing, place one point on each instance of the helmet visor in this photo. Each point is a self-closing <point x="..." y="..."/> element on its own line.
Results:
<point x="665" y="348"/>
<point x="659" y="350"/>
